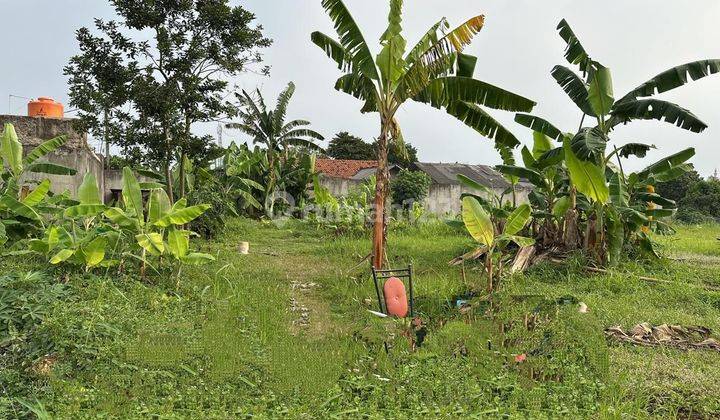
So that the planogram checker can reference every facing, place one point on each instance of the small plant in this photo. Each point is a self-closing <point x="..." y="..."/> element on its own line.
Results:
<point x="80" y="236"/>
<point x="478" y="223"/>
<point x="26" y="300"/>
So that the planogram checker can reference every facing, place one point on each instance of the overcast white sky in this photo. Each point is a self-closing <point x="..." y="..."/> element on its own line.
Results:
<point x="516" y="49"/>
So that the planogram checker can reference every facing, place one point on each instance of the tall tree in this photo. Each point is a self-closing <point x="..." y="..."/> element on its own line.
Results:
<point x="100" y="78"/>
<point x="434" y="71"/>
<point x="677" y="189"/>
<point x="192" y="47"/>
<point x="270" y="129"/>
<point x="346" y="146"/>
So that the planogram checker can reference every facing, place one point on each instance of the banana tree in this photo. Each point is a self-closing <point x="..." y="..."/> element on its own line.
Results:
<point x="586" y="154"/>
<point x="270" y="128"/>
<point x="478" y="223"/>
<point x="435" y="72"/>
<point x="628" y="216"/>
<point x="19" y="210"/>
<point x="543" y="168"/>
<point x="157" y="226"/>
<point x="245" y="169"/>
<point x="80" y="236"/>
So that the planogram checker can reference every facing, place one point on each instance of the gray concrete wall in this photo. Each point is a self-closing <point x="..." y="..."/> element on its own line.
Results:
<point x="445" y="199"/>
<point x="339" y="187"/>
<point x="442" y="200"/>
<point x="76" y="154"/>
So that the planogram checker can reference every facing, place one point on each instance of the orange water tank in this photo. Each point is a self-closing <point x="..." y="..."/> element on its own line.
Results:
<point x="45" y="107"/>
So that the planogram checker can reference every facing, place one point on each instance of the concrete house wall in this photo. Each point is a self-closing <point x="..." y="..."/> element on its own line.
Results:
<point x="76" y="154"/>
<point x="443" y="199"/>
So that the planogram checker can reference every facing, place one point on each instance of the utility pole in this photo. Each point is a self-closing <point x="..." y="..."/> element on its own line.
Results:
<point x="220" y="142"/>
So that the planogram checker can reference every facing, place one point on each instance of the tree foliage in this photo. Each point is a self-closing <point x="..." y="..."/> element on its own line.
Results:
<point x="346" y="146"/>
<point x="161" y="68"/>
<point x="410" y="187"/>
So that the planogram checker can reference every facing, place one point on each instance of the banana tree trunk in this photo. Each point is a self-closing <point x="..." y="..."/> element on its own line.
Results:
<point x="270" y="189"/>
<point x="183" y="186"/>
<point x="381" y="191"/>
<point x="572" y="237"/>
<point x="168" y="159"/>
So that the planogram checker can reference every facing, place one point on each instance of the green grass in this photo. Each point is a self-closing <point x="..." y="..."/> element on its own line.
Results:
<point x="227" y="344"/>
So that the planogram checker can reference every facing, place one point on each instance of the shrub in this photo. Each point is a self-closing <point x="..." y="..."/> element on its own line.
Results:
<point x="212" y="222"/>
<point x="26" y="301"/>
<point x="692" y="216"/>
<point x="410" y="186"/>
<point x="703" y="198"/>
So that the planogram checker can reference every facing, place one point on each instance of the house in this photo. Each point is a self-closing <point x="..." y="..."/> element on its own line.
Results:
<point x="340" y="176"/>
<point x="446" y="190"/>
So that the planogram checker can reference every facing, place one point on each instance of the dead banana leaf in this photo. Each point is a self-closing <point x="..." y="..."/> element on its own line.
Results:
<point x="678" y="336"/>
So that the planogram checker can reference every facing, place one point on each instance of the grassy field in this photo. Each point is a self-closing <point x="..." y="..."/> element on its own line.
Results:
<point x="285" y="331"/>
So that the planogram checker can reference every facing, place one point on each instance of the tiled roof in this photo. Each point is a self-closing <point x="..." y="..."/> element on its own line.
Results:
<point x="339" y="168"/>
<point x="446" y="174"/>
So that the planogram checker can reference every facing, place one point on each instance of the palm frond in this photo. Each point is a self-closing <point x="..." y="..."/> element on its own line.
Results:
<point x="293" y="125"/>
<point x="428" y="40"/>
<point x="249" y="129"/>
<point x="44" y="149"/>
<point x="454" y="41"/>
<point x="303" y="133"/>
<point x="574" y="87"/>
<point x="589" y="144"/>
<point x="437" y="60"/>
<point x="575" y="52"/>
<point x="634" y="149"/>
<point x="475" y="117"/>
<point x="261" y="101"/>
<point x="333" y="49"/>
<point x="674" y="78"/>
<point x="360" y="87"/>
<point x="655" y="109"/>
<point x="540" y="125"/>
<point x="351" y="38"/>
<point x="304" y="143"/>
<point x="246" y="100"/>
<point x="444" y="91"/>
<point x="282" y="104"/>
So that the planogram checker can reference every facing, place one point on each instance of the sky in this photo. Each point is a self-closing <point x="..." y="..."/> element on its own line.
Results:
<point x="517" y="48"/>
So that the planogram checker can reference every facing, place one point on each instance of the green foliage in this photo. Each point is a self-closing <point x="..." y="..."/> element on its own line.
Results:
<point x="434" y="71"/>
<point x="258" y="190"/>
<point x="410" y="187"/>
<point x="346" y="146"/>
<point x="678" y="188"/>
<point x="118" y="69"/>
<point x="26" y="301"/>
<point x="22" y="211"/>
<point x="582" y="198"/>
<point x="210" y="190"/>
<point x="480" y="226"/>
<point x="112" y="343"/>
<point x="280" y="138"/>
<point x="704" y="198"/>
<point x="161" y="234"/>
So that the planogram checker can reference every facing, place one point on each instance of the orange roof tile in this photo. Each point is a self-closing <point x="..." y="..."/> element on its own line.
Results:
<point x="339" y="168"/>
